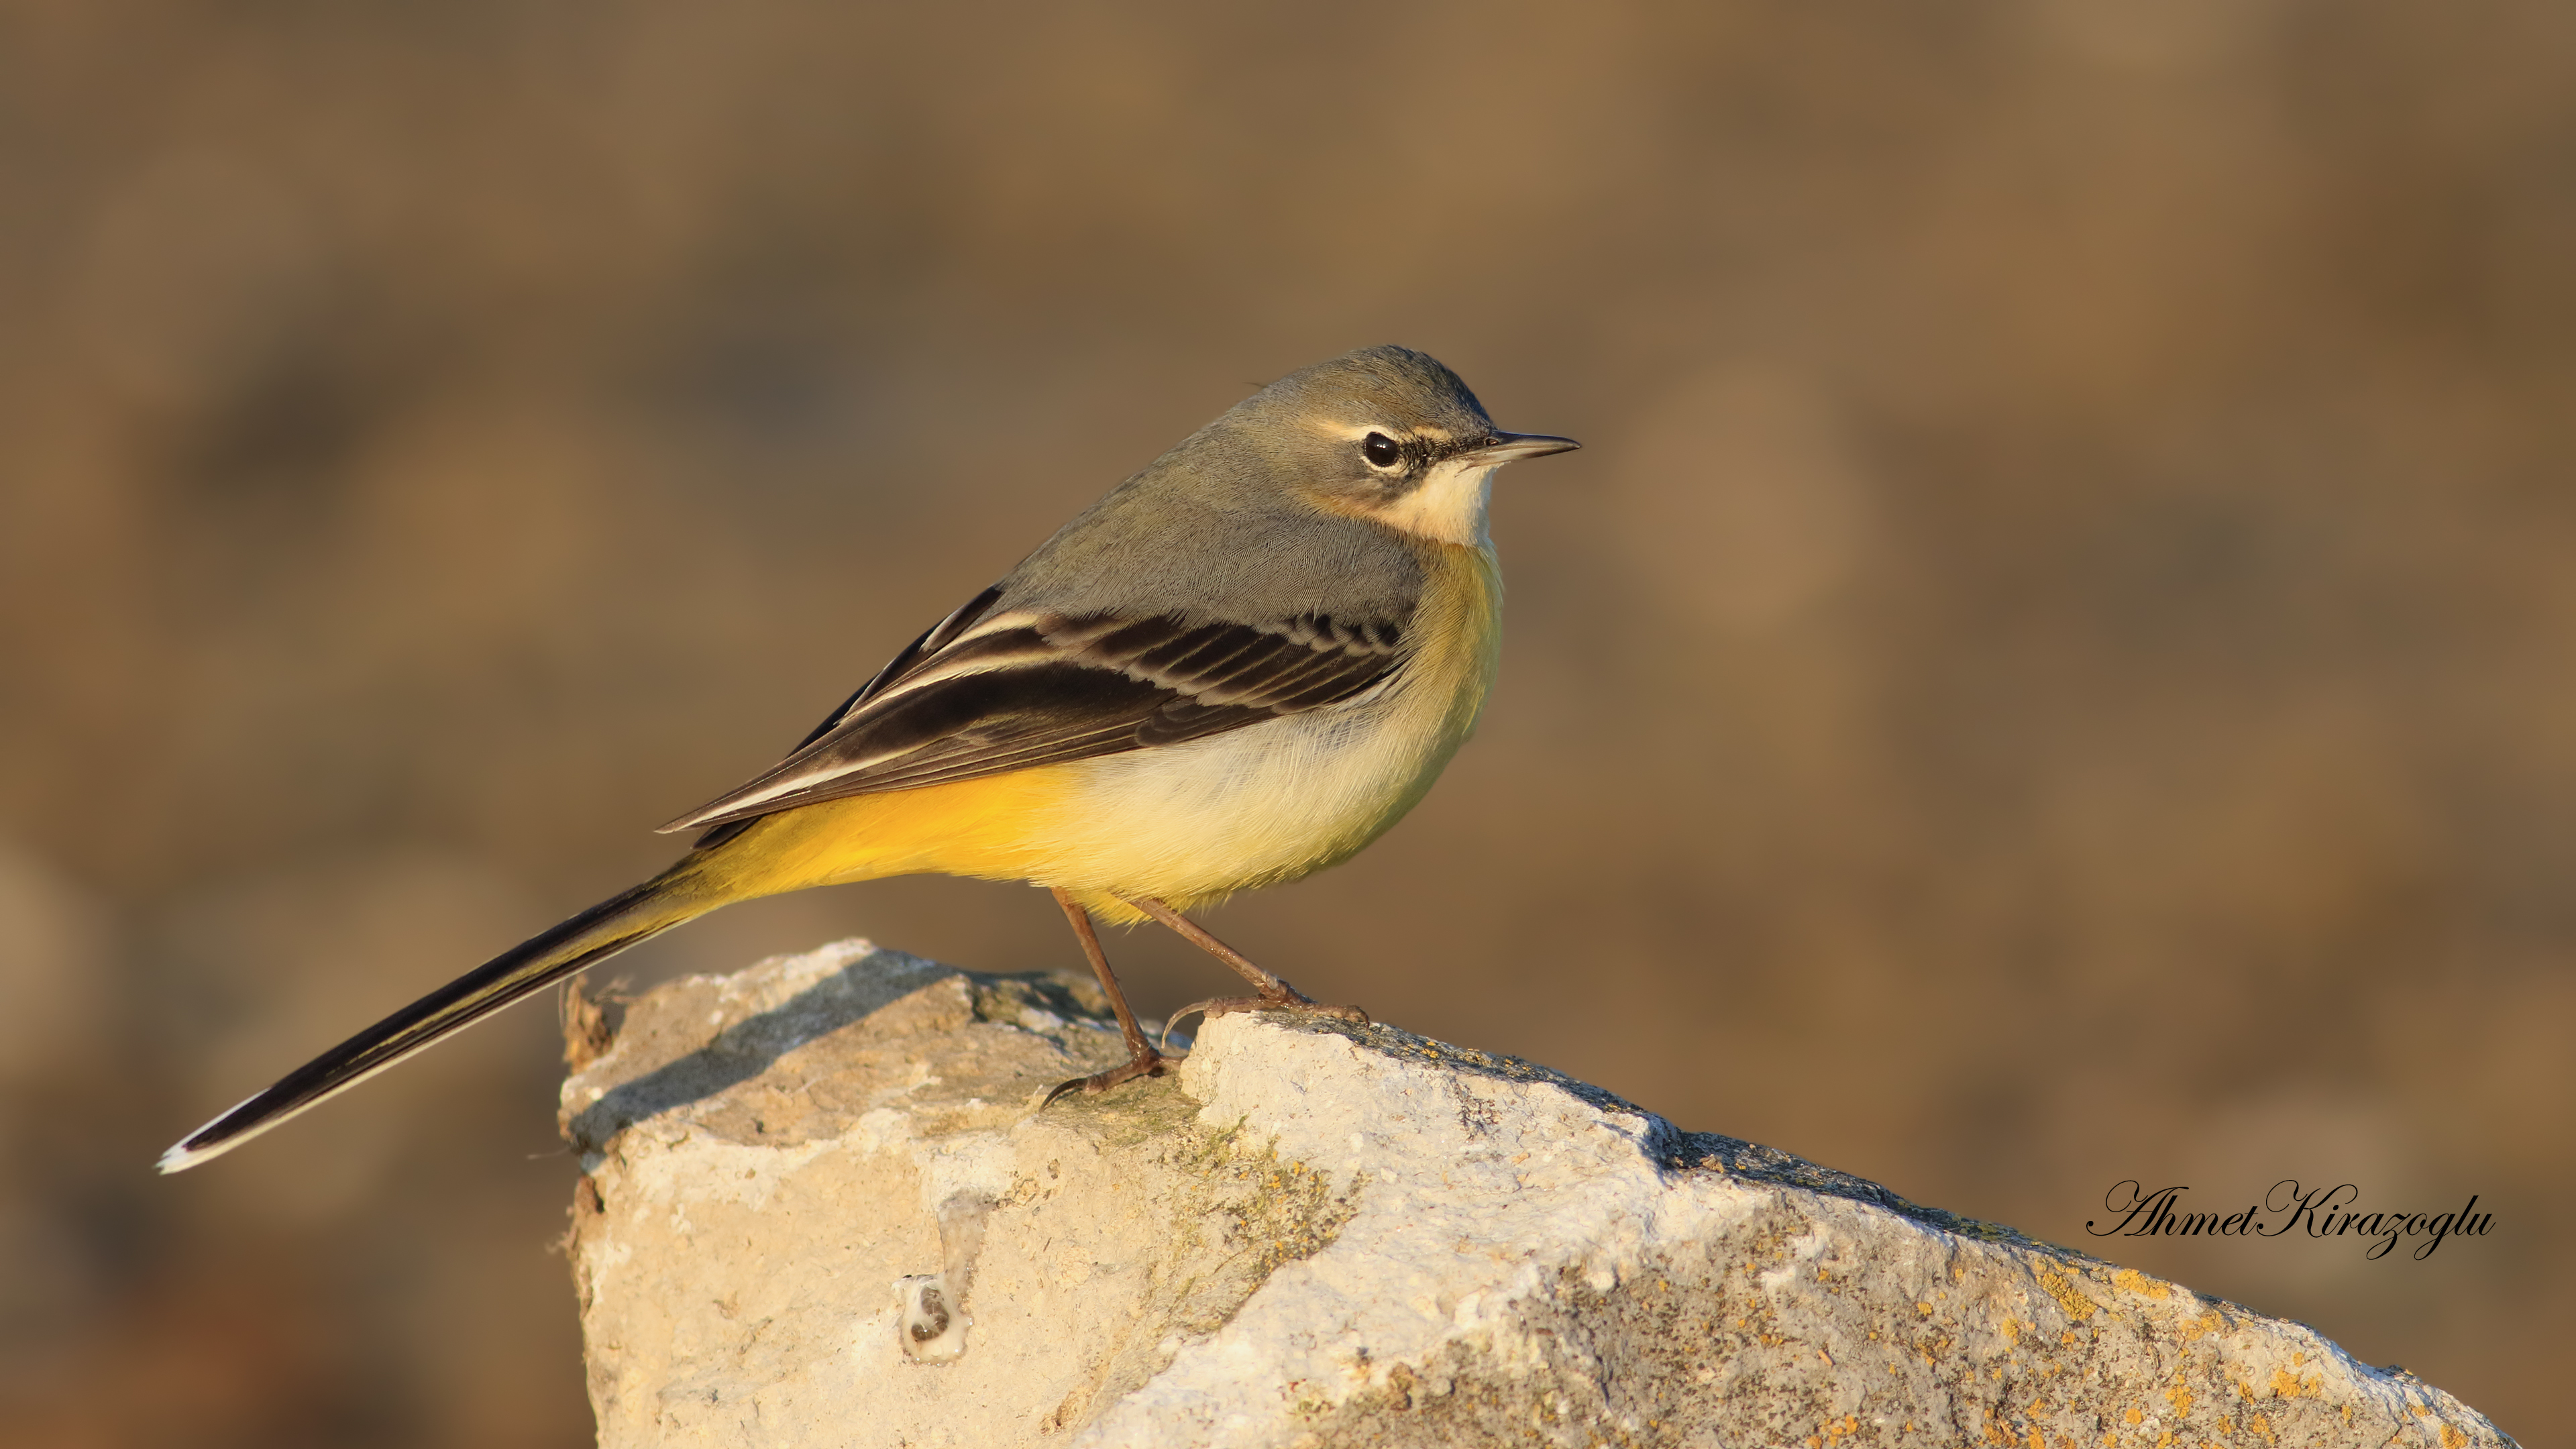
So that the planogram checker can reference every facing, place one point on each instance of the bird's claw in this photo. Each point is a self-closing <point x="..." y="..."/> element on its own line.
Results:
<point x="1294" y="1002"/>
<point x="1150" y="1064"/>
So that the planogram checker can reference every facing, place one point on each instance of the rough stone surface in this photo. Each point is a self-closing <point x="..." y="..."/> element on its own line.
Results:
<point x="821" y="1208"/>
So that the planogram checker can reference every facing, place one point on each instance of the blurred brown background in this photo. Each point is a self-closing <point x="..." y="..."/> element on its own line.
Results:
<point x="2053" y="668"/>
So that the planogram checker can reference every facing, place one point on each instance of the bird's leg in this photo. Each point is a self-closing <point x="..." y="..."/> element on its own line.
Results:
<point x="1276" y="993"/>
<point x="1142" y="1059"/>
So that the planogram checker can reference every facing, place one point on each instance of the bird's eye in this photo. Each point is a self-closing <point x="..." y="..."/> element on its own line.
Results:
<point x="1380" y="450"/>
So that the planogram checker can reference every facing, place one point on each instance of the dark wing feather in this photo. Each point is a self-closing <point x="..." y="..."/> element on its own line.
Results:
<point x="932" y="639"/>
<point x="985" y="694"/>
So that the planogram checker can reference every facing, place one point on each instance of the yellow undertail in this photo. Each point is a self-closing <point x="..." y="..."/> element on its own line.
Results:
<point x="979" y="828"/>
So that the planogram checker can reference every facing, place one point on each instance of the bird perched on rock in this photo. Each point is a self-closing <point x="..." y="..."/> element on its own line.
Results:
<point x="1240" y="666"/>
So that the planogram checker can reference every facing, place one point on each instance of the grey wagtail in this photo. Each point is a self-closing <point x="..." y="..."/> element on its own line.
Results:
<point x="1243" y="664"/>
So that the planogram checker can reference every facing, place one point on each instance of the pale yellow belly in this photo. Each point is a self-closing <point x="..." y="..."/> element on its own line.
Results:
<point x="1252" y="807"/>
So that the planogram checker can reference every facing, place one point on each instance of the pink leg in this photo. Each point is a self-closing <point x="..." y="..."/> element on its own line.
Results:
<point x="1142" y="1059"/>
<point x="1275" y="993"/>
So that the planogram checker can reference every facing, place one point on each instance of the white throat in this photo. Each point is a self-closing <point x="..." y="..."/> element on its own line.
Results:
<point x="1449" y="506"/>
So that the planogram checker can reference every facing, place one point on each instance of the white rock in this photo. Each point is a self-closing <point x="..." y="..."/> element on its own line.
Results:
<point x="822" y="1209"/>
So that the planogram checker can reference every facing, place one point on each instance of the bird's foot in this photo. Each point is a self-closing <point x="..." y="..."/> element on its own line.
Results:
<point x="1291" y="1000"/>
<point x="1146" y="1063"/>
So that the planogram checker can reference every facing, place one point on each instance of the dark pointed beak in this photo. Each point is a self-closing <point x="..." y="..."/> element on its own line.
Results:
<point x="1504" y="447"/>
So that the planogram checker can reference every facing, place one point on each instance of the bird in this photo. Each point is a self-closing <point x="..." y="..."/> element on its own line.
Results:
<point x="1239" y="666"/>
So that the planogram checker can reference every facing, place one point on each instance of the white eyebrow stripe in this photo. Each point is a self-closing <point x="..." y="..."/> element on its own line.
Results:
<point x="1356" y="431"/>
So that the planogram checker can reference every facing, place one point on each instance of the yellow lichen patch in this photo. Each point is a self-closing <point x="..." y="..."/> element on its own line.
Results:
<point x="2135" y="1415"/>
<point x="2201" y="1327"/>
<point x="2453" y="1438"/>
<point x="2287" y="1385"/>
<point x="2257" y="1424"/>
<point x="2062" y="1288"/>
<point x="2137" y="1282"/>
<point x="2179" y="1396"/>
<point x="2012" y="1332"/>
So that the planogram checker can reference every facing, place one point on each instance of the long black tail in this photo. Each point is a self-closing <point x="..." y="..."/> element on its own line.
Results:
<point x="540" y="961"/>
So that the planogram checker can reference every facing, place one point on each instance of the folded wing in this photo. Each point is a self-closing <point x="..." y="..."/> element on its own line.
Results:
<point x="986" y="693"/>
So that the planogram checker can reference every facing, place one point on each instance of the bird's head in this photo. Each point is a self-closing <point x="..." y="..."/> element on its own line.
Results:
<point x="1387" y="434"/>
